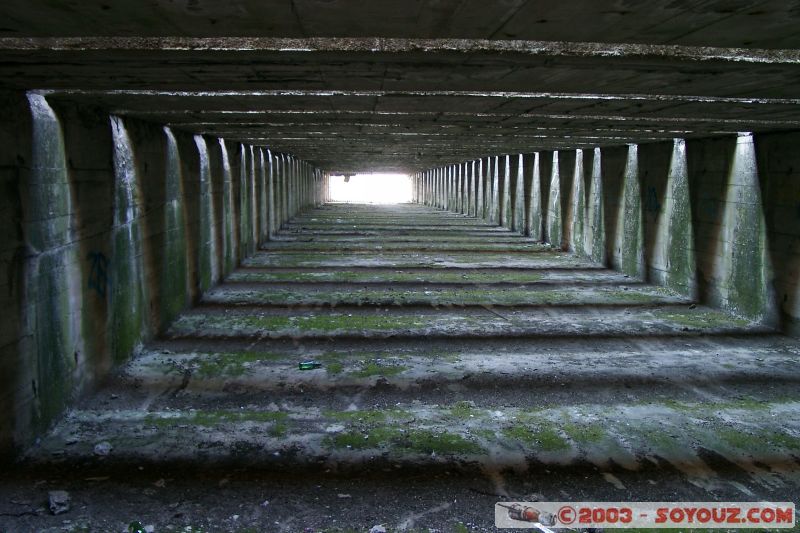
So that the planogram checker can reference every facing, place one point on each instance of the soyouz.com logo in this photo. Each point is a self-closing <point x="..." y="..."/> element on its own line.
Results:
<point x="544" y="515"/>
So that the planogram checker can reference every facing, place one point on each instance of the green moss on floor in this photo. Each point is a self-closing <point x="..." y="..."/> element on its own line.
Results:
<point x="478" y="295"/>
<point x="376" y="437"/>
<point x="233" y="364"/>
<point x="372" y="417"/>
<point x="334" y="368"/>
<point x="466" y="411"/>
<point x="700" y="319"/>
<point x="424" y="442"/>
<point x="304" y="323"/>
<point x="372" y="368"/>
<point x="707" y="409"/>
<point x="662" y="443"/>
<point x="440" y="443"/>
<point x="546" y="439"/>
<point x="387" y="277"/>
<point x="584" y="434"/>
<point x="278" y="419"/>
<point x="759" y="440"/>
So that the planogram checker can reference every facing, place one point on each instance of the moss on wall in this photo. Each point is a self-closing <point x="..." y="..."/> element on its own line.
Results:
<point x="632" y="238"/>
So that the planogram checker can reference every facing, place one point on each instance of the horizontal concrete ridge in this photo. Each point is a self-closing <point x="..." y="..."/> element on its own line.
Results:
<point x="420" y="95"/>
<point x="766" y="24"/>
<point x="381" y="45"/>
<point x="371" y="346"/>
<point x="422" y="103"/>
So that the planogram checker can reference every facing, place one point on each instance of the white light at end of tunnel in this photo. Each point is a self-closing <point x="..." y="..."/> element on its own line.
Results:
<point x="371" y="188"/>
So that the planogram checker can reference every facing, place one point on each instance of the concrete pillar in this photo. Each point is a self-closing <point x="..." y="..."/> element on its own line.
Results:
<point x="681" y="273"/>
<point x="252" y="208"/>
<point x="578" y="211"/>
<point x="554" y="230"/>
<point x="464" y="202"/>
<point x="448" y="199"/>
<point x="518" y="208"/>
<point x="632" y="238"/>
<point x="270" y="177"/>
<point x="495" y="206"/>
<point x="596" y="234"/>
<point x="285" y="183"/>
<point x="432" y="183"/>
<point x="480" y="186"/>
<point x="445" y="187"/>
<point x="437" y="187"/>
<point x="505" y="205"/>
<point x="472" y="189"/>
<point x="464" y="188"/>
<point x="534" y="218"/>
<point x="733" y="254"/>
<point x="282" y="190"/>
<point x="456" y="207"/>
<point x="442" y="187"/>
<point x="278" y="192"/>
<point x="263" y="195"/>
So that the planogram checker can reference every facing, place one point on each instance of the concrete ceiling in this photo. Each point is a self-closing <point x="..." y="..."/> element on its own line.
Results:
<point x="445" y="81"/>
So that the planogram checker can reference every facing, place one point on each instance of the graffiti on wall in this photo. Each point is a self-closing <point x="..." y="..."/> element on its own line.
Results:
<point x="651" y="203"/>
<point x="98" y="274"/>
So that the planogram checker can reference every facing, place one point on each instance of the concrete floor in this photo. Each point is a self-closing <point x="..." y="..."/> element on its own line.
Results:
<point x="461" y="364"/>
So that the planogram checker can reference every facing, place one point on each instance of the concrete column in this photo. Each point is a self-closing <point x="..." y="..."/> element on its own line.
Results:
<point x="445" y="172"/>
<point x="464" y="188"/>
<point x="294" y="178"/>
<point x="459" y="169"/>
<point x="505" y="206"/>
<point x="448" y="200"/>
<point x="440" y="182"/>
<point x="472" y="190"/>
<point x="495" y="177"/>
<point x="228" y="240"/>
<point x="479" y="192"/>
<point x="263" y="204"/>
<point x="278" y="193"/>
<point x="632" y="238"/>
<point x="534" y="225"/>
<point x="681" y="264"/>
<point x="457" y="188"/>
<point x="432" y="183"/>
<point x="437" y="188"/>
<point x="518" y="217"/>
<point x="270" y="170"/>
<point x="284" y="189"/>
<point x="595" y="239"/>
<point x="435" y="184"/>
<point x="254" y="189"/>
<point x="554" y="204"/>
<point x="578" y="211"/>
<point x="454" y="188"/>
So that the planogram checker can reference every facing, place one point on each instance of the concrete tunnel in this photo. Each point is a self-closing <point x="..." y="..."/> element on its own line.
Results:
<point x="591" y="294"/>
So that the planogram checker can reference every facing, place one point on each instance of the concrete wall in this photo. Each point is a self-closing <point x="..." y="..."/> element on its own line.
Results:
<point x="715" y="219"/>
<point x="112" y="226"/>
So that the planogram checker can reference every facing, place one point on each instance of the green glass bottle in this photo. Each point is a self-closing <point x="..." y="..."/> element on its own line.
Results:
<point x="309" y="365"/>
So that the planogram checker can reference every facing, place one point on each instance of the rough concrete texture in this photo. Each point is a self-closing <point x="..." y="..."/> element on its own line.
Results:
<point x="714" y="23"/>
<point x="115" y="226"/>
<point x="424" y="394"/>
<point x="712" y="219"/>
<point x="618" y="177"/>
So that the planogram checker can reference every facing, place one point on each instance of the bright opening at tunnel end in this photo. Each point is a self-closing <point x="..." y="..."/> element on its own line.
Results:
<point x="371" y="188"/>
